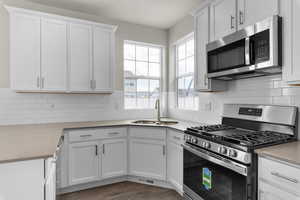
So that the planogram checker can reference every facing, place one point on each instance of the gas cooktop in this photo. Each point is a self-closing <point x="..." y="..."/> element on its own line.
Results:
<point x="244" y="137"/>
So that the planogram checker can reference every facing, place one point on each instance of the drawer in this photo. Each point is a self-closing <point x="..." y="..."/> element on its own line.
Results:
<point x="148" y="133"/>
<point x="110" y="133"/>
<point x="175" y="136"/>
<point x="283" y="175"/>
<point x="96" y="134"/>
<point x="81" y="135"/>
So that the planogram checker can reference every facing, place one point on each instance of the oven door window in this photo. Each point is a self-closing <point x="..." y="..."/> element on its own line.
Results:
<point x="228" y="57"/>
<point x="211" y="181"/>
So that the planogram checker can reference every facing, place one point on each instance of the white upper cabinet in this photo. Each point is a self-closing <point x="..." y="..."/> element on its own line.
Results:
<point x="103" y="59"/>
<point x="291" y="42"/>
<point x="223" y="18"/>
<point x="250" y="11"/>
<point x="51" y="53"/>
<point x="54" y="55"/>
<point x="80" y="57"/>
<point x="202" y="27"/>
<point x="25" y="52"/>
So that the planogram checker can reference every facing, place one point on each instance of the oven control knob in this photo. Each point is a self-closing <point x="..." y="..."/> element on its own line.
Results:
<point x="195" y="140"/>
<point x="222" y="150"/>
<point x="232" y="153"/>
<point x="206" y="145"/>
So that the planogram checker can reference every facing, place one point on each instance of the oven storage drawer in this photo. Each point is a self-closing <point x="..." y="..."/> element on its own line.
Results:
<point x="282" y="175"/>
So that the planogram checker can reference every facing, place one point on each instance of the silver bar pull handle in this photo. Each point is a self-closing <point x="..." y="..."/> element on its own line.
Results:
<point x="293" y="180"/>
<point x="38" y="82"/>
<point x="241" y="17"/>
<point x="91" y="84"/>
<point x="113" y="133"/>
<point x="96" y="150"/>
<point x="42" y="82"/>
<point x="103" y="149"/>
<point x="84" y="136"/>
<point x="231" y="22"/>
<point x="164" y="149"/>
<point x="95" y="84"/>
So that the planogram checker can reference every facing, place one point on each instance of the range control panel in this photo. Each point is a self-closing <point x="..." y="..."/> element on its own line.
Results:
<point x="251" y="111"/>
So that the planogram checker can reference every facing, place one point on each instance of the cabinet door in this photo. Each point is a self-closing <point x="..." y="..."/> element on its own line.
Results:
<point x="22" y="180"/>
<point x="114" y="158"/>
<point x="175" y="165"/>
<point x="269" y="192"/>
<point x="25" y="51"/>
<point x="249" y="11"/>
<point x="223" y="18"/>
<point x="291" y="31"/>
<point x="148" y="158"/>
<point x="103" y="59"/>
<point x="83" y="162"/>
<point x="201" y="39"/>
<point x="80" y="57"/>
<point x="54" y="55"/>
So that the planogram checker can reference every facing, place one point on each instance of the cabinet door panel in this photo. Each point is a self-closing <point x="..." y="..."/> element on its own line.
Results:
<point x="201" y="39"/>
<point x="114" y="158"/>
<point x="25" y="52"/>
<point x="223" y="16"/>
<point x="54" y="54"/>
<point x="147" y="159"/>
<point x="83" y="162"/>
<point x="269" y="192"/>
<point x="249" y="12"/>
<point x="175" y="165"/>
<point x="102" y="71"/>
<point x="22" y="180"/>
<point x="80" y="57"/>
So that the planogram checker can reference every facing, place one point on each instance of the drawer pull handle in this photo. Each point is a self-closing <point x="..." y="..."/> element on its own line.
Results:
<point x="284" y="177"/>
<point x="176" y="138"/>
<point x="113" y="133"/>
<point x="83" y="136"/>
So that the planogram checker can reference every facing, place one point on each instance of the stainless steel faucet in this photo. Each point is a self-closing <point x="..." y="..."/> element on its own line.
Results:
<point x="157" y="107"/>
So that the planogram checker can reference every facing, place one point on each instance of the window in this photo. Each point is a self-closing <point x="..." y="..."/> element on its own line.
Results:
<point x="142" y="72"/>
<point x="186" y="97"/>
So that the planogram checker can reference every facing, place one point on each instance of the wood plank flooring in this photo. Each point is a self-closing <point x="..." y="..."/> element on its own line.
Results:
<point x="123" y="191"/>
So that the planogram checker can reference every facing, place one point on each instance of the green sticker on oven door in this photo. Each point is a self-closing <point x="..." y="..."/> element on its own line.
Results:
<point x="206" y="178"/>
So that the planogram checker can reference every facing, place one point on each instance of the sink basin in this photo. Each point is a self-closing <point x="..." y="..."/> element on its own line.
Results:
<point x="149" y="122"/>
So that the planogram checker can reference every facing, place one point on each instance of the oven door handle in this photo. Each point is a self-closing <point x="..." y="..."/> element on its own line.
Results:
<point x="241" y="169"/>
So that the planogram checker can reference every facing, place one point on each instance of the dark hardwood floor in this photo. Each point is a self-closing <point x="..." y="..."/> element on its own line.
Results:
<point x="123" y="191"/>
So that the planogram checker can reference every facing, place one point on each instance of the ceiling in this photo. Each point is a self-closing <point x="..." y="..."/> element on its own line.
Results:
<point x="155" y="13"/>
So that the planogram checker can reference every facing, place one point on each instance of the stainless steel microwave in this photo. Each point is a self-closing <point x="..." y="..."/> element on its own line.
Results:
<point x="250" y="52"/>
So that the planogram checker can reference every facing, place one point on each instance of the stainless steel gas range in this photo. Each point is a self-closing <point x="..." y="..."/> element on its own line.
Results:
<point x="219" y="160"/>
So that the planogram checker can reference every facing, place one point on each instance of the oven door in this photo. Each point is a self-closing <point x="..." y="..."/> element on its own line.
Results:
<point x="211" y="177"/>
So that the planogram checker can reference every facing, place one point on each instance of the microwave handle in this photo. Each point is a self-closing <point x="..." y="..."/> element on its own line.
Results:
<point x="247" y="51"/>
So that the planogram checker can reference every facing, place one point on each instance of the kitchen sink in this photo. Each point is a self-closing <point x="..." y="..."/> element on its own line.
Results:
<point x="149" y="122"/>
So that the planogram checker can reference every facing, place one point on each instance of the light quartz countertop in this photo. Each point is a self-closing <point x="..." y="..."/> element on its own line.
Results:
<point x="34" y="141"/>
<point x="289" y="152"/>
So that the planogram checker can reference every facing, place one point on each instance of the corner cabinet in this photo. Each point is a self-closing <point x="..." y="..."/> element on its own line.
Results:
<point x="51" y="53"/>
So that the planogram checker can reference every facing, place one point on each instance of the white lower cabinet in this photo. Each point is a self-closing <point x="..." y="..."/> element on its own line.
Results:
<point x="148" y="158"/>
<point x="114" y="158"/>
<point x="22" y="180"/>
<point x="278" y="180"/>
<point x="175" y="159"/>
<point x="83" y="162"/>
<point x="269" y="192"/>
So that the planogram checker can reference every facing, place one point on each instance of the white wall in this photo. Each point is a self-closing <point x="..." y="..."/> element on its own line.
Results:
<point x="262" y="90"/>
<point x="40" y="108"/>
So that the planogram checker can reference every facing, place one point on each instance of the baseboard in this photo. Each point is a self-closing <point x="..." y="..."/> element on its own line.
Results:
<point x="136" y="179"/>
<point x="85" y="186"/>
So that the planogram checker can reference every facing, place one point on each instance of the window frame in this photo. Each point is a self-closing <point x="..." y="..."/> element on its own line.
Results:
<point x="136" y="77"/>
<point x="179" y="42"/>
